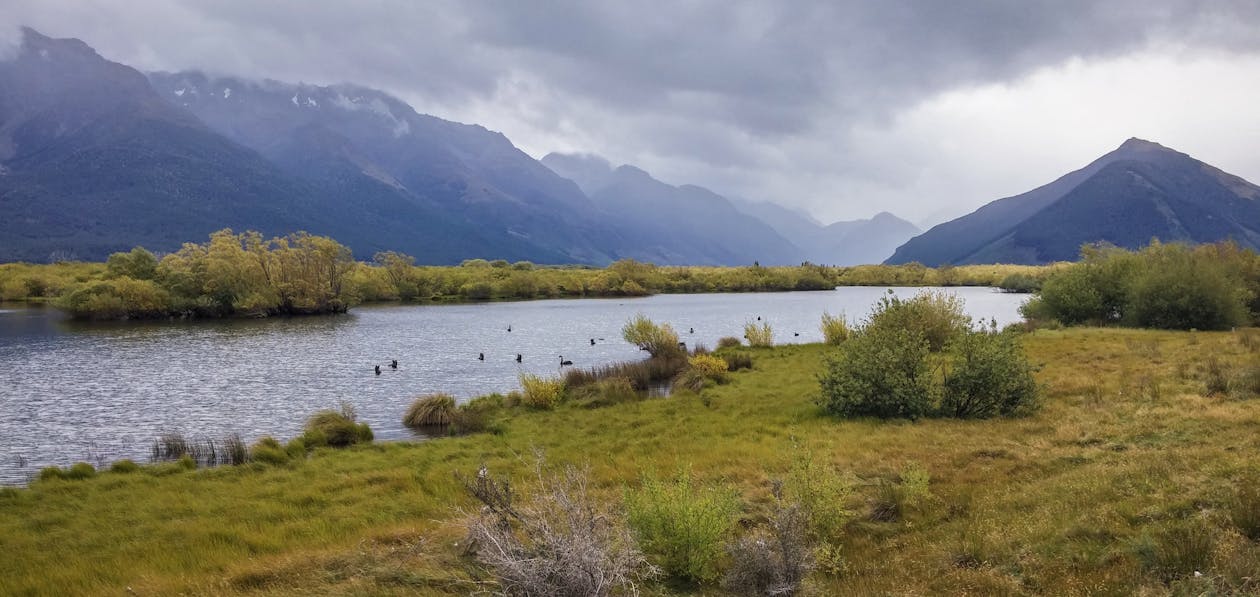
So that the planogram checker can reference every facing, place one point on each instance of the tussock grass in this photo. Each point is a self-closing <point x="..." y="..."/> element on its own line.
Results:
<point x="1056" y="503"/>
<point x="434" y="410"/>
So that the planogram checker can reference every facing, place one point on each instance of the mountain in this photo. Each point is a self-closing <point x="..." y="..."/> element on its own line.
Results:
<point x="853" y="242"/>
<point x="93" y="161"/>
<point x="1141" y="190"/>
<point x="367" y="146"/>
<point x="675" y="224"/>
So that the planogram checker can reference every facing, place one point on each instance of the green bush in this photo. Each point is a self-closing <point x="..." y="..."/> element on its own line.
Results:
<point x="823" y="494"/>
<point x="938" y="316"/>
<point x="759" y="334"/>
<point x="606" y="392"/>
<point x="335" y="428"/>
<point x="737" y="360"/>
<point x="682" y="527"/>
<point x="539" y="392"/>
<point x="434" y="410"/>
<point x="124" y="466"/>
<point x="1169" y="286"/>
<point x="477" y="415"/>
<point x="658" y="340"/>
<point x="881" y="371"/>
<point x="990" y="376"/>
<point x="834" y="328"/>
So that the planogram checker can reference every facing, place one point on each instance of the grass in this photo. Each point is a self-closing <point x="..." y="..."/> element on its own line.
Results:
<point x="434" y="410"/>
<point x="1109" y="489"/>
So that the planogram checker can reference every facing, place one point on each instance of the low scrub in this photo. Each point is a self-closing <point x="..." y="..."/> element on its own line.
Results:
<point x="562" y="541"/>
<point x="335" y="428"/>
<point x="658" y="340"/>
<point x="774" y="559"/>
<point x="728" y="342"/>
<point x="760" y="335"/>
<point x="681" y="526"/>
<point x="606" y="392"/>
<point x="737" y="360"/>
<point x="540" y="392"/>
<point x="434" y="410"/>
<point x="643" y="375"/>
<point x="834" y="329"/>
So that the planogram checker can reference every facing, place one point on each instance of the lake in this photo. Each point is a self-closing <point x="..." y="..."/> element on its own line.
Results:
<point x="73" y="391"/>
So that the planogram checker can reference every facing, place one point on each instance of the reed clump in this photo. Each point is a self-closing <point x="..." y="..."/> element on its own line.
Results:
<point x="434" y="410"/>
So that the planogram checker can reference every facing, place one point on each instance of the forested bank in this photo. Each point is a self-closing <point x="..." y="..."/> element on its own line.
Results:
<point x="245" y="275"/>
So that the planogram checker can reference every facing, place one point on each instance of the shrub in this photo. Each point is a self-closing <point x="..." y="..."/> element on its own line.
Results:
<point x="823" y="495"/>
<point x="834" y="328"/>
<point x="335" y="428"/>
<point x="269" y="451"/>
<point x="938" y="316"/>
<point x="643" y="375"/>
<point x="759" y="335"/>
<point x="682" y="527"/>
<point x="1245" y="383"/>
<point x="774" y="560"/>
<point x="1178" y="292"/>
<point x="540" y="392"/>
<point x="657" y="340"/>
<point x="124" y="466"/>
<point x="562" y="542"/>
<point x="990" y="377"/>
<point x="476" y="415"/>
<point x="1217" y="377"/>
<point x="81" y="470"/>
<point x="434" y="410"/>
<point x="709" y="366"/>
<point x="728" y="342"/>
<point x="881" y="371"/>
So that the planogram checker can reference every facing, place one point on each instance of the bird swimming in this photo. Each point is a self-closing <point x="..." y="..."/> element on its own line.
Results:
<point x="378" y="369"/>
<point x="518" y="357"/>
<point x="592" y="342"/>
<point x="481" y="356"/>
<point x="563" y="362"/>
<point x="393" y="364"/>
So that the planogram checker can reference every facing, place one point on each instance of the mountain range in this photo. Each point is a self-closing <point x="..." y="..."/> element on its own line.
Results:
<point x="1139" y="191"/>
<point x="96" y="157"/>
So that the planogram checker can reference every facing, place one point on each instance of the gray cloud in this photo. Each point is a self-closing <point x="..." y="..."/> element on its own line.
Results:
<point x="780" y="100"/>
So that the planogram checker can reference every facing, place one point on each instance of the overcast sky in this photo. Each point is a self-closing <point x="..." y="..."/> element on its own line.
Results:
<point x="842" y="108"/>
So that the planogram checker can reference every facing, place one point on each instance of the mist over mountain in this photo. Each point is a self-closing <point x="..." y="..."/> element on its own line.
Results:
<point x="852" y="242"/>
<point x="1139" y="191"/>
<point x="680" y="224"/>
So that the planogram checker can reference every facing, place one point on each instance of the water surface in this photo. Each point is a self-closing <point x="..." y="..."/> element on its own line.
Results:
<point x="100" y="392"/>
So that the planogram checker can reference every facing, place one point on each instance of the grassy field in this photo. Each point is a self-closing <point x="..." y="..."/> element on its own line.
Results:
<point x="1126" y="482"/>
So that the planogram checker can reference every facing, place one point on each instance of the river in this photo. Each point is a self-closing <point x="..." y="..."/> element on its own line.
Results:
<point x="72" y="391"/>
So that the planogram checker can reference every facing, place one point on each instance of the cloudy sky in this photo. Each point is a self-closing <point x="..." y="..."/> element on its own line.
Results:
<point x="927" y="108"/>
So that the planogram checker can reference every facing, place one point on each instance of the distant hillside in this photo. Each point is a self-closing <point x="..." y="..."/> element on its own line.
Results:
<point x="684" y="224"/>
<point x="1140" y="191"/>
<point x="853" y="242"/>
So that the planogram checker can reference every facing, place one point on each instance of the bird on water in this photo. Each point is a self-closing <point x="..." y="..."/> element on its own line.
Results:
<point x="481" y="356"/>
<point x="378" y="369"/>
<point x="518" y="357"/>
<point x="393" y="364"/>
<point x="563" y="362"/>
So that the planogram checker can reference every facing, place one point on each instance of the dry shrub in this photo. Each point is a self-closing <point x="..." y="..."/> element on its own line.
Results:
<point x="834" y="328"/>
<point x="737" y="360"/>
<point x="728" y="342"/>
<point x="759" y="335"/>
<point x="606" y="392"/>
<point x="773" y="560"/>
<point x="561" y="542"/>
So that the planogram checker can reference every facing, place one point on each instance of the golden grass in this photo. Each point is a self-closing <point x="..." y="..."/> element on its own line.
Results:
<point x="1064" y="502"/>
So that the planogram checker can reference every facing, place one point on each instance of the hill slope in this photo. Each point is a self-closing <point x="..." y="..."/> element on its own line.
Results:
<point x="1140" y="191"/>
